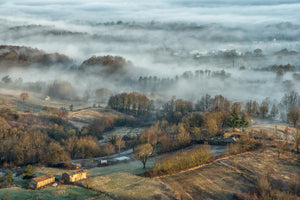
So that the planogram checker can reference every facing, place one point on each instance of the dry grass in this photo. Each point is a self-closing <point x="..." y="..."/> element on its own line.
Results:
<point x="85" y="115"/>
<point x="35" y="102"/>
<point x="128" y="186"/>
<point x="273" y="130"/>
<point x="122" y="131"/>
<point x="222" y="179"/>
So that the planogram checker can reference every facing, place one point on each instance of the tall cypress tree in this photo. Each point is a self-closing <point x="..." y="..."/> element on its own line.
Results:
<point x="244" y="122"/>
<point x="234" y="119"/>
<point x="9" y="177"/>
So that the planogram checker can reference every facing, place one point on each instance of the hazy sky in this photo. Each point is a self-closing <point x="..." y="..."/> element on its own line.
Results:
<point x="201" y="11"/>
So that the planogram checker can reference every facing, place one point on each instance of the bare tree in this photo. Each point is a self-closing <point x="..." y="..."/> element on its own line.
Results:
<point x="120" y="143"/>
<point x="264" y="109"/>
<point x="294" y="115"/>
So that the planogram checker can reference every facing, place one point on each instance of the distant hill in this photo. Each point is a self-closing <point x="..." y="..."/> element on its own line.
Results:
<point x="105" y="64"/>
<point x="20" y="56"/>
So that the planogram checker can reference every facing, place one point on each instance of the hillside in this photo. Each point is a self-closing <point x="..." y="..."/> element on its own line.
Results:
<point x="20" y="56"/>
<point x="225" y="178"/>
<point x="107" y="65"/>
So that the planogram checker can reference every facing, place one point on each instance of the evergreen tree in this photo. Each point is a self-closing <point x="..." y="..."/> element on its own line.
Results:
<point x="234" y="121"/>
<point x="28" y="173"/>
<point x="244" y="122"/>
<point x="9" y="177"/>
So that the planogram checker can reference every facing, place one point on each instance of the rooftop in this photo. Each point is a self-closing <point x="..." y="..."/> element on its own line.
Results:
<point x="42" y="178"/>
<point x="76" y="172"/>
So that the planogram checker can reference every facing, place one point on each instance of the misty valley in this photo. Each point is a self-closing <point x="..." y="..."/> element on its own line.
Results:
<point x="157" y="100"/>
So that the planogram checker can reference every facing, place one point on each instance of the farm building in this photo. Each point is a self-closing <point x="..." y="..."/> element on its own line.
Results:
<point x="71" y="177"/>
<point x="41" y="181"/>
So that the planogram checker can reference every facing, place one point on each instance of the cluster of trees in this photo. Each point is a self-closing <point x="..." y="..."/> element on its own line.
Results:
<point x="208" y="103"/>
<point x="51" y="140"/>
<point x="200" y="74"/>
<point x="131" y="103"/>
<point x="153" y="83"/>
<point x="287" y="109"/>
<point x="235" y="121"/>
<point x="279" y="69"/>
<point x="165" y="137"/>
<point x="219" y="112"/>
<point x="262" y="110"/>
<point x="233" y="53"/>
<point x="20" y="56"/>
<point x="175" y="109"/>
<point x="20" y="146"/>
<point x="109" y="64"/>
<point x="61" y="90"/>
<point x="283" y="68"/>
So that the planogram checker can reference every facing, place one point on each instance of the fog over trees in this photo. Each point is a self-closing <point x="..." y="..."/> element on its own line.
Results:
<point x="102" y="83"/>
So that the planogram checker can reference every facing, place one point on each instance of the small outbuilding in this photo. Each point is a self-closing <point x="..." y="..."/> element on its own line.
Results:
<point x="41" y="181"/>
<point x="103" y="162"/>
<point x="74" y="176"/>
<point x="48" y="98"/>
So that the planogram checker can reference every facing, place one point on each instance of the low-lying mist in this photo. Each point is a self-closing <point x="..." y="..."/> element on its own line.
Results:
<point x="174" y="48"/>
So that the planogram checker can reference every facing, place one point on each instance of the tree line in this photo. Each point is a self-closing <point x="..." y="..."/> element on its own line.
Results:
<point x="131" y="103"/>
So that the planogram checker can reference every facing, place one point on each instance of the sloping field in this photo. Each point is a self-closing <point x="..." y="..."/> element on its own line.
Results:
<point x="122" y="131"/>
<point x="128" y="186"/>
<point x="35" y="102"/>
<point x="223" y="178"/>
<point x="85" y="115"/>
<point x="274" y="129"/>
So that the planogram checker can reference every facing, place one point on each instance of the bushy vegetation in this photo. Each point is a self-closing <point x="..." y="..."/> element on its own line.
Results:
<point x="181" y="161"/>
<point x="165" y="137"/>
<point x="245" y="143"/>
